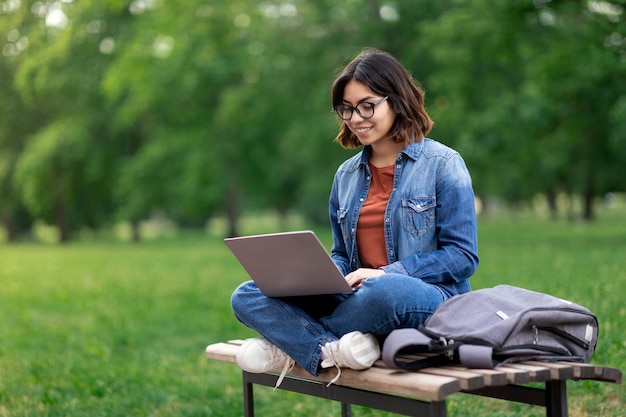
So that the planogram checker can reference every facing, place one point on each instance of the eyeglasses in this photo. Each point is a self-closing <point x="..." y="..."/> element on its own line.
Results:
<point x="364" y="109"/>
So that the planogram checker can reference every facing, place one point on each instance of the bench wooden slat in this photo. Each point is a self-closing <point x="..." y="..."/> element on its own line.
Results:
<point x="514" y="375"/>
<point x="557" y="370"/>
<point x="582" y="370"/>
<point x="436" y="383"/>
<point x="414" y="384"/>
<point x="608" y="374"/>
<point x="489" y="377"/>
<point x="537" y="373"/>
<point x="377" y="378"/>
<point x="418" y="385"/>
<point x="467" y="380"/>
<point x="596" y="372"/>
<point x="493" y="377"/>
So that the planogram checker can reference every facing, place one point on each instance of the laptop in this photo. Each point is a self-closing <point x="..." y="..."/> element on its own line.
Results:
<point x="288" y="264"/>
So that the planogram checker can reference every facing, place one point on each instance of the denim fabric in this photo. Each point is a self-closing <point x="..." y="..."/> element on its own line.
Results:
<point x="430" y="221"/>
<point x="431" y="239"/>
<point x="300" y="326"/>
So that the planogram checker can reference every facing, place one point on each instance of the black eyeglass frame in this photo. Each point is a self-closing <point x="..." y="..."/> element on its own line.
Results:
<point x="353" y="109"/>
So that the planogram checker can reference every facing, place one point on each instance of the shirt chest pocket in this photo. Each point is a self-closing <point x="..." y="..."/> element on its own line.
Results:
<point x="418" y="214"/>
<point x="342" y="219"/>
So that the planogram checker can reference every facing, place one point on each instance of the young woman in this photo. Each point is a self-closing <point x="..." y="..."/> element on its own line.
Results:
<point x="403" y="227"/>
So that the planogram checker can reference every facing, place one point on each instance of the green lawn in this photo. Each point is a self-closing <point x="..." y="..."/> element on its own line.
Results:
<point x="112" y="329"/>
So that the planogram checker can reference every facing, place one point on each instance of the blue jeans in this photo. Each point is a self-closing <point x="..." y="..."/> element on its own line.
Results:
<point x="300" y="326"/>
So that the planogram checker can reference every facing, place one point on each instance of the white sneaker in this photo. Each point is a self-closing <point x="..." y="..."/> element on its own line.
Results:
<point x="354" y="350"/>
<point x="258" y="356"/>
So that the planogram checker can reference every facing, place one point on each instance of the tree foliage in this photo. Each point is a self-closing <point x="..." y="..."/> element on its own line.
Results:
<point x="114" y="109"/>
<point x="529" y="88"/>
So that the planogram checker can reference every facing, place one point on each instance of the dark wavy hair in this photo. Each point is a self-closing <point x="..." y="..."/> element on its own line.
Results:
<point x="384" y="75"/>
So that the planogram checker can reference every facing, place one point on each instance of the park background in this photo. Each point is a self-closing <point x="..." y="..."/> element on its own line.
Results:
<point x="135" y="135"/>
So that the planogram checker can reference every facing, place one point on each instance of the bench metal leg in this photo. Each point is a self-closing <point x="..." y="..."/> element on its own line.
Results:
<point x="248" y="401"/>
<point x="556" y="398"/>
<point x="248" y="397"/>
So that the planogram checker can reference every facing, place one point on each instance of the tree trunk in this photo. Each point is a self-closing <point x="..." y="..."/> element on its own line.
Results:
<point x="60" y="220"/>
<point x="588" y="213"/>
<point x="135" y="232"/>
<point x="283" y="218"/>
<point x="551" y="197"/>
<point x="232" y="210"/>
<point x="10" y="230"/>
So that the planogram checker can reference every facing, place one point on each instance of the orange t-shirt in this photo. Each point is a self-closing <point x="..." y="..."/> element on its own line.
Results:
<point x="370" y="235"/>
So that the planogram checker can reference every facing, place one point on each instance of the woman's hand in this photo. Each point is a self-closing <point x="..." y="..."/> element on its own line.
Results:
<point x="354" y="278"/>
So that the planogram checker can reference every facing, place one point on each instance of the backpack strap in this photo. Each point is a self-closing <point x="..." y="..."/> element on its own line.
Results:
<point x="476" y="356"/>
<point x="412" y="341"/>
<point x="401" y="343"/>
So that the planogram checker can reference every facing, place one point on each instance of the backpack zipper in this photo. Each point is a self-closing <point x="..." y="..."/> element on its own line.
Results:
<point x="561" y="333"/>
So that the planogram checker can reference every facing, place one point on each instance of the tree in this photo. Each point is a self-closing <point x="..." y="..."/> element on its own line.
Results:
<point x="532" y="115"/>
<point x="62" y="170"/>
<point x="17" y="121"/>
<point x="117" y="109"/>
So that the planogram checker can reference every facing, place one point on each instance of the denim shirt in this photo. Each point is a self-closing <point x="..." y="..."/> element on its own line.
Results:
<point x="430" y="220"/>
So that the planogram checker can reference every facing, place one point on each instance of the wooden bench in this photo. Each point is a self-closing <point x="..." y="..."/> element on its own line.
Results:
<point x="424" y="393"/>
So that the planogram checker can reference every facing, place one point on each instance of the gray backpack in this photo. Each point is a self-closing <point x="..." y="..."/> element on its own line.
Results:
<point x="493" y="326"/>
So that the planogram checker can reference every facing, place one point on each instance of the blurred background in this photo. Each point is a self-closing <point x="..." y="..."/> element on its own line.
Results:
<point x="190" y="113"/>
<point x="178" y="122"/>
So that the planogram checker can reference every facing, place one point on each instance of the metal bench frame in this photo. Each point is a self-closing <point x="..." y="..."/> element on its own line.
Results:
<point x="553" y="396"/>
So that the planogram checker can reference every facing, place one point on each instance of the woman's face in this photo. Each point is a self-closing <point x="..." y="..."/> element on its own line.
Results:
<point x="373" y="130"/>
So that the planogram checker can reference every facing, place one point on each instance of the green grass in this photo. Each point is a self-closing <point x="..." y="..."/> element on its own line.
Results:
<point x="113" y="329"/>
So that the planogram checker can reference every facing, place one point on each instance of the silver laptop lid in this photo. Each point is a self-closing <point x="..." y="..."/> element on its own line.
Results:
<point x="288" y="264"/>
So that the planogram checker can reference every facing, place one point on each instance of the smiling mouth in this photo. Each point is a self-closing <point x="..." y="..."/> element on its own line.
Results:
<point x="363" y="129"/>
